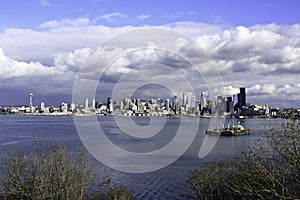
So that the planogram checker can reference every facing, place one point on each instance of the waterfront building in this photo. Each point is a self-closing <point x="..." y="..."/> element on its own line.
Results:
<point x="220" y="106"/>
<point x="230" y="106"/>
<point x="109" y="104"/>
<point x="72" y="107"/>
<point x="167" y="104"/>
<point x="235" y="101"/>
<point x="86" y="103"/>
<point x="64" y="107"/>
<point x="42" y="107"/>
<point x="242" y="97"/>
<point x="175" y="105"/>
<point x="203" y="101"/>
<point x="30" y="102"/>
<point x="241" y="100"/>
<point x="184" y="99"/>
<point x="93" y="104"/>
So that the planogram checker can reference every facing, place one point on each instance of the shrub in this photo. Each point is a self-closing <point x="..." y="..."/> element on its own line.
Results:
<point x="50" y="173"/>
<point x="269" y="169"/>
<point x="112" y="192"/>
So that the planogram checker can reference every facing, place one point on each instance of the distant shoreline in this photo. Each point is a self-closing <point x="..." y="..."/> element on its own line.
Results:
<point x="141" y="116"/>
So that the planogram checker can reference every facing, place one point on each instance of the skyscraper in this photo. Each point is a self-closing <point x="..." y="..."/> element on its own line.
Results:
<point x="167" y="104"/>
<point x="229" y="106"/>
<point x="242" y="97"/>
<point x="109" y="104"/>
<point x="202" y="101"/>
<point x="86" y="103"/>
<point x="30" y="100"/>
<point x="175" y="104"/>
<point x="93" y="104"/>
<point x="42" y="106"/>
<point x="184" y="99"/>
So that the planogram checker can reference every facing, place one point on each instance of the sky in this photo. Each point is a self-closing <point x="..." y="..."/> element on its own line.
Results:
<point x="45" y="46"/>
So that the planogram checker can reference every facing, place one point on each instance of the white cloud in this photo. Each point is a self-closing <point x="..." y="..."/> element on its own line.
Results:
<point x="47" y="3"/>
<point x="72" y="61"/>
<point x="112" y="17"/>
<point x="45" y="45"/>
<point x="10" y="68"/>
<point x="227" y="90"/>
<point x="143" y="17"/>
<point x="78" y="22"/>
<point x="266" y="89"/>
<point x="263" y="58"/>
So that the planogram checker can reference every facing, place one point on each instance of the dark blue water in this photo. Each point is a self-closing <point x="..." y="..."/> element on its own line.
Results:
<point x="22" y="132"/>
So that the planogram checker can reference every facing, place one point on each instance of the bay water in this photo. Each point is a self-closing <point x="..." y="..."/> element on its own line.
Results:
<point x="21" y="133"/>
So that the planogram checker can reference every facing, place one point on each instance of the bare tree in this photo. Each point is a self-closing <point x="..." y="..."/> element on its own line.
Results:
<point x="46" y="174"/>
<point x="269" y="169"/>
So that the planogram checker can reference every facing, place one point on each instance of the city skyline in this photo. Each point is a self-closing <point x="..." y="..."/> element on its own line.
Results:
<point x="254" y="44"/>
<point x="189" y="105"/>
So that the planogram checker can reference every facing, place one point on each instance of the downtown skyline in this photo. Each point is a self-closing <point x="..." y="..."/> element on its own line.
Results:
<point x="44" y="43"/>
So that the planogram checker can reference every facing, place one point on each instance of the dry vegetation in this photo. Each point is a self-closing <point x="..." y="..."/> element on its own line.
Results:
<point x="52" y="173"/>
<point x="269" y="169"/>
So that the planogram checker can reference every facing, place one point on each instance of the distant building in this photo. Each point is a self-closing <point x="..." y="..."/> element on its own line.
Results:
<point x="241" y="100"/>
<point x="235" y="101"/>
<point x="109" y="104"/>
<point x="203" y="101"/>
<point x="72" y="107"/>
<point x="93" y="104"/>
<point x="175" y="105"/>
<point x="64" y="107"/>
<point x="167" y="104"/>
<point x="30" y="100"/>
<point x="229" y="106"/>
<point x="242" y="97"/>
<point x="42" y="107"/>
<point x="30" y="103"/>
<point x="184" y="99"/>
<point x="86" y="103"/>
<point x="220" y="106"/>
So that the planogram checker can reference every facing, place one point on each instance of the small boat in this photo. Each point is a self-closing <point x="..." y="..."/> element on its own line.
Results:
<point x="213" y="132"/>
<point x="215" y="128"/>
<point x="235" y="131"/>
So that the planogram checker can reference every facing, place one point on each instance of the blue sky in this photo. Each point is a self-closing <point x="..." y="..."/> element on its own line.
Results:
<point x="31" y="13"/>
<point x="255" y="44"/>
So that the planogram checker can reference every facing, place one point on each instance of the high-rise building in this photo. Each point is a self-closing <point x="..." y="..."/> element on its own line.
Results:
<point x="30" y="100"/>
<point x="242" y="97"/>
<point x="229" y="106"/>
<point x="191" y="101"/>
<point x="202" y="101"/>
<point x="64" y="107"/>
<point x="72" y="107"/>
<point x="167" y="104"/>
<point x="184" y="99"/>
<point x="175" y="104"/>
<point x="93" y="104"/>
<point x="42" y="106"/>
<point x="109" y="105"/>
<point x="121" y="105"/>
<point x="220" y="106"/>
<point x="86" y="103"/>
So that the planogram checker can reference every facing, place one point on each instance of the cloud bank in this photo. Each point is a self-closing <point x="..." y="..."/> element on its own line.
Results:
<point x="263" y="58"/>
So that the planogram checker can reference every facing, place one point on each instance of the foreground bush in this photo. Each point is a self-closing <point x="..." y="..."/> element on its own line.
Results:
<point x="112" y="192"/>
<point x="269" y="169"/>
<point x="47" y="174"/>
<point x="53" y="173"/>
